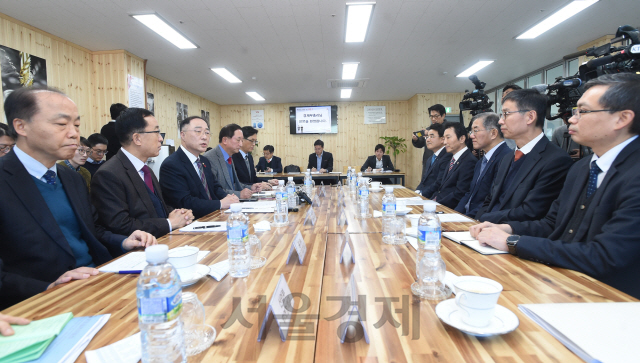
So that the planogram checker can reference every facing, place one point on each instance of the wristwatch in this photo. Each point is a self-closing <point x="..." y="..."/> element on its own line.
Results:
<point x="512" y="241"/>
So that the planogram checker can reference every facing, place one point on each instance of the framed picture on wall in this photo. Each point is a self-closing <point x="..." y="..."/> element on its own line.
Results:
<point x="150" y="103"/>
<point x="205" y="115"/>
<point x="20" y="69"/>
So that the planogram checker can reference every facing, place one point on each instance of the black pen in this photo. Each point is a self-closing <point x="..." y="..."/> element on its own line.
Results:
<point x="205" y="227"/>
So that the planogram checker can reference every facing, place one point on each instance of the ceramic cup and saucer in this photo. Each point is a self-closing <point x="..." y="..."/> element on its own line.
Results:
<point x="185" y="260"/>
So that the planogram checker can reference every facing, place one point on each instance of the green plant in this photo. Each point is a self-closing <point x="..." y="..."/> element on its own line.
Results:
<point x="396" y="144"/>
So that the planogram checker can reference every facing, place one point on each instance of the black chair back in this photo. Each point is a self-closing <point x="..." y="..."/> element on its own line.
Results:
<point x="291" y="168"/>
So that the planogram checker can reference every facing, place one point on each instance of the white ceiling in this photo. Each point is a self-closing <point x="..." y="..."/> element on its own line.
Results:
<point x="292" y="47"/>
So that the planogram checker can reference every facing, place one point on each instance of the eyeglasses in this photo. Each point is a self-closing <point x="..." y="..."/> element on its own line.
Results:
<point x="199" y="132"/>
<point x="577" y="112"/>
<point x="84" y="151"/>
<point x="253" y="142"/>
<point x="6" y="148"/>
<point x="100" y="152"/>
<point x="149" y="132"/>
<point x="504" y="114"/>
<point x="434" y="116"/>
<point x="474" y="131"/>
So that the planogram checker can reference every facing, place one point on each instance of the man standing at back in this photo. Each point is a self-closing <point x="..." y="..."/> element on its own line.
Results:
<point x="437" y="114"/>
<point x="186" y="177"/>
<point x="527" y="183"/>
<point x="125" y="190"/>
<point x="109" y="130"/>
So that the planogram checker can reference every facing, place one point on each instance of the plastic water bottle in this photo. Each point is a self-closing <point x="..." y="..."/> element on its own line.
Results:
<point x="388" y="214"/>
<point x="430" y="268"/>
<point x="363" y="199"/>
<point x="238" y="242"/>
<point x="291" y="192"/>
<point x="348" y="180"/>
<point x="429" y="228"/>
<point x="159" y="294"/>
<point x="281" y="214"/>
<point x="308" y="184"/>
<point x="353" y="187"/>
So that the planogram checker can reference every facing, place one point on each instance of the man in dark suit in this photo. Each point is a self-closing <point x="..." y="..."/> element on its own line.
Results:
<point x="593" y="226"/>
<point x="243" y="160"/>
<point x="186" y="177"/>
<point x="438" y="163"/>
<point x="125" y="190"/>
<point x="379" y="161"/>
<point x="437" y="114"/>
<point x="109" y="130"/>
<point x="526" y="184"/>
<point x="268" y="162"/>
<point x="321" y="160"/>
<point x="486" y="136"/>
<point x="99" y="146"/>
<point x="49" y="233"/>
<point x="456" y="180"/>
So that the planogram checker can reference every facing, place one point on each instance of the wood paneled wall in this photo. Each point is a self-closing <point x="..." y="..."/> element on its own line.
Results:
<point x="165" y="98"/>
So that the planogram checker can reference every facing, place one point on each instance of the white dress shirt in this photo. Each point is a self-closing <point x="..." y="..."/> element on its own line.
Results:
<point x="192" y="159"/>
<point x="529" y="146"/>
<point x="605" y="161"/>
<point x="33" y="166"/>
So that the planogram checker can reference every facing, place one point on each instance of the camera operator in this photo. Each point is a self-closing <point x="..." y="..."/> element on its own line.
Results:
<point x="562" y="138"/>
<point x="437" y="114"/>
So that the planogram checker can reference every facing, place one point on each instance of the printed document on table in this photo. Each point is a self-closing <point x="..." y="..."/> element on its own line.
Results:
<point x="127" y="350"/>
<point x="453" y="217"/>
<point x="465" y="238"/>
<point x="135" y="261"/>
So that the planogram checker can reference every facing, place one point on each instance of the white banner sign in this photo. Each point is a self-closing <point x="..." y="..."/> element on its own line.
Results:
<point x="375" y="115"/>
<point x="257" y="119"/>
<point x="313" y="119"/>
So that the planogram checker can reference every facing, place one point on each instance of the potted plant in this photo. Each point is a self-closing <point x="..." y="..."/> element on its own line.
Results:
<point x="397" y="145"/>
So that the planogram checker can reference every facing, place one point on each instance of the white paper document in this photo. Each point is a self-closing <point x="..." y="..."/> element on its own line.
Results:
<point x="127" y="350"/>
<point x="453" y="217"/>
<point x="415" y="201"/>
<point x="465" y="238"/>
<point x="219" y="270"/>
<point x="210" y="227"/>
<point x="595" y="332"/>
<point x="135" y="261"/>
<point x="262" y="226"/>
<point x="254" y="210"/>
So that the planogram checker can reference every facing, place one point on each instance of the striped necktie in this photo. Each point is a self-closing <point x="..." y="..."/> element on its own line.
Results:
<point x="203" y="178"/>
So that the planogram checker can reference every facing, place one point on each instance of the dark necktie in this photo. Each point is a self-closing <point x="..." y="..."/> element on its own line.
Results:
<point x="519" y="154"/>
<point x="453" y="161"/>
<point x="246" y="161"/>
<point x="203" y="178"/>
<point x="482" y="166"/>
<point x="147" y="178"/>
<point x="433" y="159"/>
<point x="50" y="177"/>
<point x="592" y="186"/>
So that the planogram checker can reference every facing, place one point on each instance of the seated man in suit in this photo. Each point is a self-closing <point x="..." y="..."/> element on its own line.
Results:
<point x="125" y="190"/>
<point x="526" y="184"/>
<point x="437" y="115"/>
<point x="109" y="130"/>
<point x="99" y="146"/>
<point x="6" y="142"/>
<point x="243" y="161"/>
<point x="456" y="180"/>
<point x="79" y="159"/>
<point x="486" y="136"/>
<point x="438" y="163"/>
<point x="186" y="177"/>
<point x="222" y="165"/>
<point x="49" y="233"/>
<point x="593" y="226"/>
<point x="268" y="162"/>
<point x="320" y="160"/>
<point x="378" y="162"/>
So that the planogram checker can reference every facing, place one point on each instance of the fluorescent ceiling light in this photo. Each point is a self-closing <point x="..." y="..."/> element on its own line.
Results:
<point x="224" y="73"/>
<point x="474" y="68"/>
<point x="160" y="26"/>
<point x="556" y="18"/>
<point x="358" y="17"/>
<point x="349" y="70"/>
<point x="255" y="96"/>
<point x="345" y="93"/>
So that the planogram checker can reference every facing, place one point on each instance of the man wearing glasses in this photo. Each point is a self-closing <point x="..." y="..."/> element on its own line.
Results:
<point x="437" y="114"/>
<point x="243" y="161"/>
<point x="99" y="146"/>
<point x="125" y="190"/>
<point x="6" y="141"/>
<point x="528" y="182"/>
<point x="592" y="227"/>
<point x="79" y="159"/>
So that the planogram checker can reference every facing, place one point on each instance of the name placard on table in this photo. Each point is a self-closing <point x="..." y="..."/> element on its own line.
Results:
<point x="353" y="317"/>
<point x="342" y="216"/>
<point x="310" y="216"/>
<point x="346" y="240"/>
<point x="299" y="247"/>
<point x="278" y="309"/>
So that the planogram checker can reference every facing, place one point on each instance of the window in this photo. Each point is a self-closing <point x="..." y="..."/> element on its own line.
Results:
<point x="534" y="80"/>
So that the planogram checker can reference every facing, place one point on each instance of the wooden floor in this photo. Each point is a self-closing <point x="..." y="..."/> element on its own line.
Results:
<point x="383" y="273"/>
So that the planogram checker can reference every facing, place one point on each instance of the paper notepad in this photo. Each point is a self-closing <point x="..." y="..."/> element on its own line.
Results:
<point x="127" y="350"/>
<point x="219" y="270"/>
<point x="595" y="332"/>
<point x="135" y="261"/>
<point x="30" y="341"/>
<point x="464" y="238"/>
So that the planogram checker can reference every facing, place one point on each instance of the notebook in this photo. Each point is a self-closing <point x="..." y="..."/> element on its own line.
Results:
<point x="464" y="238"/>
<point x="29" y="341"/>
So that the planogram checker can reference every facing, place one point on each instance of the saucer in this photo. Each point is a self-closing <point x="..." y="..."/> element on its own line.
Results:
<point x="401" y="212"/>
<point x="502" y="322"/>
<point x="376" y="190"/>
<point x="201" y="271"/>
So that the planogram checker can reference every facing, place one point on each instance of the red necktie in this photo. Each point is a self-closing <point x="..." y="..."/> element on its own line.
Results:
<point x="229" y="160"/>
<point x="519" y="154"/>
<point x="147" y="177"/>
<point x="453" y="161"/>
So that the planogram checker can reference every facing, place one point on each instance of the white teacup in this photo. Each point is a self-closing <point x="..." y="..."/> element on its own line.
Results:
<point x="401" y="204"/>
<point x="376" y="184"/>
<point x="366" y="179"/>
<point x="185" y="260"/>
<point x="476" y="298"/>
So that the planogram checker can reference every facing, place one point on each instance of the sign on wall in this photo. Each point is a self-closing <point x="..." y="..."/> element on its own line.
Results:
<point x="257" y="119"/>
<point x="136" y="91"/>
<point x="375" y="115"/>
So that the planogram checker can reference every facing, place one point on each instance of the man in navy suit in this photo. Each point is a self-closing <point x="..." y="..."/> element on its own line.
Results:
<point x="456" y="180"/>
<point x="321" y="160"/>
<point x="527" y="183"/>
<point x="436" y="165"/>
<point x="243" y="160"/>
<point x="186" y="178"/>
<point x="49" y="233"/>
<point x="593" y="226"/>
<point x="486" y="136"/>
<point x="269" y="162"/>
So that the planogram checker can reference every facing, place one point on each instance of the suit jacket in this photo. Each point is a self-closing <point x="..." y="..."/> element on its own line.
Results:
<point x="481" y="184"/>
<point x="457" y="181"/>
<point x="433" y="174"/>
<point x="371" y="162"/>
<point x="220" y="171"/>
<point x="182" y="187"/>
<point x="109" y="131"/>
<point x="426" y="155"/>
<point x="533" y="188"/>
<point x="325" y="163"/>
<point x="605" y="245"/>
<point x="32" y="246"/>
<point x="122" y="200"/>
<point x="276" y="164"/>
<point x="246" y="176"/>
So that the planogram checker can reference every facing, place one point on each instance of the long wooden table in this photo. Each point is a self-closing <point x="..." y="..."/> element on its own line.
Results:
<point x="384" y="273"/>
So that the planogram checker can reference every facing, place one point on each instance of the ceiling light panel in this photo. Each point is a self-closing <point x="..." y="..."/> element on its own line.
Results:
<point x="255" y="96"/>
<point x="345" y="93"/>
<point x="358" y="18"/>
<point x="224" y="73"/>
<point x="474" y="68"/>
<point x="349" y="70"/>
<point x="556" y="18"/>
<point x="162" y="28"/>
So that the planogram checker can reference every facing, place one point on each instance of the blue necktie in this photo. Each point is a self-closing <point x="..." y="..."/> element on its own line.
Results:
<point x="433" y="159"/>
<point x="50" y="177"/>
<point x="482" y="166"/>
<point x="593" y="179"/>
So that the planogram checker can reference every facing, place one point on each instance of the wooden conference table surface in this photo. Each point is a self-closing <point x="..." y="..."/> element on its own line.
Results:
<point x="383" y="274"/>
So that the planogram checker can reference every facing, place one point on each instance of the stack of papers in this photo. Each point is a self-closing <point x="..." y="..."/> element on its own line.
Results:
<point x="210" y="227"/>
<point x="30" y="341"/>
<point x="135" y="261"/>
<point x="595" y="332"/>
<point x="265" y="206"/>
<point x="127" y="350"/>
<point x="416" y="201"/>
<point x="262" y="226"/>
<point x="464" y="238"/>
<point x="219" y="270"/>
